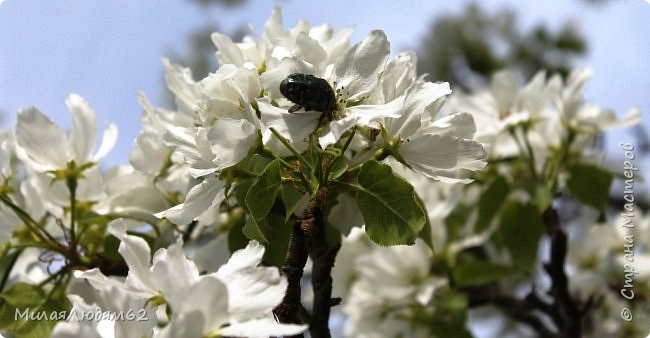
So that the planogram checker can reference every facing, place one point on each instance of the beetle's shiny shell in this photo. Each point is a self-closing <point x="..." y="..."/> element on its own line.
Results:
<point x="310" y="92"/>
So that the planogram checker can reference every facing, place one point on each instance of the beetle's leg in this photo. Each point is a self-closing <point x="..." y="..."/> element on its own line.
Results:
<point x="294" y="108"/>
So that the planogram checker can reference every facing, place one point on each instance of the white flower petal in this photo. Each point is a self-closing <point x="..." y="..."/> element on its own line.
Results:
<point x="84" y="128"/>
<point x="136" y="254"/>
<point x="182" y="139"/>
<point x="230" y="140"/>
<point x="418" y="98"/>
<point x="249" y="257"/>
<point x="98" y="280"/>
<point x="274" y="75"/>
<point x="209" y="296"/>
<point x="535" y="96"/>
<point x="149" y="153"/>
<point x="309" y="50"/>
<point x="337" y="44"/>
<point x="192" y="143"/>
<point x="213" y="254"/>
<point x="610" y="121"/>
<point x="358" y="69"/>
<point x="273" y="29"/>
<point x="429" y="153"/>
<point x="139" y="203"/>
<point x="254" y="291"/>
<point x="294" y="127"/>
<point x="179" y="81"/>
<point x="262" y="328"/>
<point x="41" y="140"/>
<point x="231" y="83"/>
<point x="65" y="329"/>
<point x="108" y="141"/>
<point x="345" y="215"/>
<point x="174" y="273"/>
<point x="207" y="194"/>
<point x="91" y="188"/>
<point x="227" y="51"/>
<point x="363" y="115"/>
<point x="186" y="325"/>
<point x="458" y="125"/>
<point x="504" y="88"/>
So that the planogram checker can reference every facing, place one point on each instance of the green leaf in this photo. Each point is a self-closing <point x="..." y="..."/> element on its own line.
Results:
<point x="590" y="184"/>
<point x="241" y="189"/>
<point x="450" y="316"/>
<point x="477" y="272"/>
<point x="254" y="164"/>
<point x="236" y="238"/>
<point x="111" y="246"/>
<point x="7" y="262"/>
<point x="542" y="197"/>
<point x="252" y="230"/>
<point x="278" y="231"/>
<point x="425" y="234"/>
<point x="389" y="205"/>
<point x="456" y="220"/>
<point x="262" y="194"/>
<point x="520" y="231"/>
<point x="337" y="169"/>
<point x="22" y="297"/>
<point x="490" y="202"/>
<point x="291" y="199"/>
<point x="274" y="232"/>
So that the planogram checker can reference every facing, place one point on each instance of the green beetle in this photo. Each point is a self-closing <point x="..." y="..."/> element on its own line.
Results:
<point x="310" y="92"/>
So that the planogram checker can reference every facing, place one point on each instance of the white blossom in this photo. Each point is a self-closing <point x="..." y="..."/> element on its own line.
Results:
<point x="45" y="146"/>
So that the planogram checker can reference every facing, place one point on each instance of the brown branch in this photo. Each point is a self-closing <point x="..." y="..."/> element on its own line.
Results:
<point x="566" y="313"/>
<point x="289" y="310"/>
<point x="323" y="258"/>
<point x="524" y="310"/>
<point x="570" y="316"/>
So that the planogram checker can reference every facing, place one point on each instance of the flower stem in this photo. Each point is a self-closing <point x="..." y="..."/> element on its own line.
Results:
<point x="36" y="229"/>
<point x="529" y="147"/>
<point x="71" y="182"/>
<point x="524" y="151"/>
<point x="288" y="166"/>
<point x="293" y="150"/>
<point x="9" y="267"/>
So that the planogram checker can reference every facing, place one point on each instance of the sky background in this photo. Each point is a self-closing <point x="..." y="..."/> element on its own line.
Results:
<point x="108" y="51"/>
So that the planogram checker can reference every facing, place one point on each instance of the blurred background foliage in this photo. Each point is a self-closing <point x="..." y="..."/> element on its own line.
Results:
<point x="467" y="49"/>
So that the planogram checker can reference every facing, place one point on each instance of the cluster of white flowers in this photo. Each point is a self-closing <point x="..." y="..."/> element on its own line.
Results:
<point x="542" y="113"/>
<point x="236" y="300"/>
<point x="385" y="289"/>
<point x="599" y="265"/>
<point x="242" y="100"/>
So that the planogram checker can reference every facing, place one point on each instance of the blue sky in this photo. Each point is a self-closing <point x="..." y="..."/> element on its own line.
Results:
<point x="108" y="51"/>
